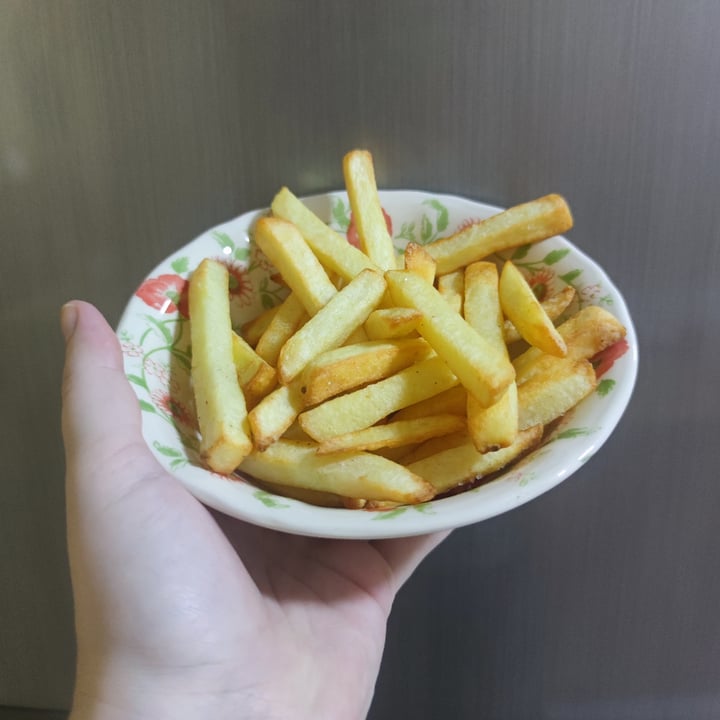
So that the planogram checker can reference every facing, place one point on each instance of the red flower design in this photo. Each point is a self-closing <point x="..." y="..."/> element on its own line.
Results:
<point x="606" y="358"/>
<point x="467" y="223"/>
<point x="166" y="293"/>
<point x="239" y="281"/>
<point x="352" y="234"/>
<point x="173" y="408"/>
<point x="541" y="281"/>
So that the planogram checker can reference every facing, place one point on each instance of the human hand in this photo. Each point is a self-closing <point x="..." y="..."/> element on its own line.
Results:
<point x="183" y="612"/>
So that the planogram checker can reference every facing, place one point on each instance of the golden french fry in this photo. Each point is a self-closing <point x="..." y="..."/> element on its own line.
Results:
<point x="433" y="446"/>
<point x="463" y="463"/>
<point x="586" y="333"/>
<point x="554" y="305"/>
<point x="255" y="376"/>
<point x="353" y="474"/>
<point x="452" y="402"/>
<point x="483" y="371"/>
<point x="388" y="323"/>
<point x="282" y="242"/>
<point x="252" y="330"/>
<point x="366" y="209"/>
<point x="221" y="409"/>
<point x="524" y="310"/>
<point x="452" y="287"/>
<point x="348" y="367"/>
<point x="363" y="408"/>
<point x="290" y="316"/>
<point x="275" y="413"/>
<point x="518" y="225"/>
<point x="394" y="434"/>
<point x="550" y="394"/>
<point x="495" y="426"/>
<point x="420" y="261"/>
<point x="333" y="324"/>
<point x="311" y="497"/>
<point x="331" y="248"/>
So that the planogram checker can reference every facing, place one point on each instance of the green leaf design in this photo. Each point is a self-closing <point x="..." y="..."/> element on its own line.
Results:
<point x="137" y="380"/>
<point x="183" y="358"/>
<point x="573" y="433"/>
<point x="340" y="214"/>
<point x="424" y="508"/>
<point x="267" y="301"/>
<point x="407" y="232"/>
<point x="442" y="214"/>
<point x="555" y="256"/>
<point x="521" y="252"/>
<point x="164" y="331"/>
<point x="223" y="239"/>
<point x="390" y="514"/>
<point x="146" y="406"/>
<point x="569" y="277"/>
<point x="606" y="300"/>
<point x="268" y="500"/>
<point x="426" y="230"/>
<point x="605" y="386"/>
<point x="241" y="253"/>
<point x="167" y="450"/>
<point x="181" y="265"/>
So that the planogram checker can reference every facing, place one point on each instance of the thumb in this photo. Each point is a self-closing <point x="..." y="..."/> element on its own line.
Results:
<point x="101" y="417"/>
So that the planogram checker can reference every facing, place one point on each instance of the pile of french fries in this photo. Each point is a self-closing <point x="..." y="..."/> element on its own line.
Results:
<point x="386" y="379"/>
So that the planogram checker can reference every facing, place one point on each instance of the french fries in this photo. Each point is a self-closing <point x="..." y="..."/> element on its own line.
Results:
<point x="383" y="379"/>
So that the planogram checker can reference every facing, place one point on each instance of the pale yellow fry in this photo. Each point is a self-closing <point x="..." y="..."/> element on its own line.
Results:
<point x="333" y="324"/>
<point x="346" y="368"/>
<point x="255" y="376"/>
<point x="524" y="310"/>
<point x="554" y="305"/>
<point x="331" y="248"/>
<point x="282" y="242"/>
<point x="366" y="209"/>
<point x="275" y="413"/>
<point x="253" y="329"/>
<point x="388" y="323"/>
<point x="363" y="408"/>
<point x="221" y="409"/>
<point x="420" y="261"/>
<point x="463" y="464"/>
<point x="586" y="333"/>
<point x="290" y="316"/>
<point x="356" y="474"/>
<point x="394" y="434"/>
<point x="483" y="371"/>
<point x="358" y="335"/>
<point x="452" y="287"/>
<point x="434" y="446"/>
<point x="452" y="401"/>
<point x="519" y="225"/>
<point x="495" y="426"/>
<point x="550" y="394"/>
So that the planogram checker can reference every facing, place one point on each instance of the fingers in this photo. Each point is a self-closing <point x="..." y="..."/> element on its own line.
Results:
<point x="101" y="417"/>
<point x="403" y="555"/>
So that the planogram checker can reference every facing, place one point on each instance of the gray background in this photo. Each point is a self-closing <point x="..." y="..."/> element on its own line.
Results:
<point x="127" y="128"/>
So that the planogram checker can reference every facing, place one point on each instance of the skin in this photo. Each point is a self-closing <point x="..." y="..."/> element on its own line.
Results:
<point x="182" y="612"/>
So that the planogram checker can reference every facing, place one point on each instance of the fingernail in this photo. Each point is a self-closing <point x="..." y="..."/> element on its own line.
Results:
<point x="68" y="319"/>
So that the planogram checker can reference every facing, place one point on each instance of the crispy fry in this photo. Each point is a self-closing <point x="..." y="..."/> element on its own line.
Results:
<point x="394" y="434"/>
<point x="337" y="371"/>
<point x="419" y="260"/>
<point x="554" y="306"/>
<point x="463" y="463"/>
<point x="282" y="242"/>
<point x="483" y="371"/>
<point x="252" y="330"/>
<point x="388" y="323"/>
<point x="290" y="316"/>
<point x="452" y="401"/>
<point x="331" y="248"/>
<point x="221" y="409"/>
<point x="275" y="413"/>
<point x="255" y="376"/>
<point x="518" y="225"/>
<point x="550" y="394"/>
<point x="363" y="408"/>
<point x="452" y="287"/>
<point x="356" y="474"/>
<point x="524" y="310"/>
<point x="366" y="209"/>
<point x="332" y="325"/>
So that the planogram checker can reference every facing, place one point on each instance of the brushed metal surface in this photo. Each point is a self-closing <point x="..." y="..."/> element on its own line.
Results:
<point x="128" y="128"/>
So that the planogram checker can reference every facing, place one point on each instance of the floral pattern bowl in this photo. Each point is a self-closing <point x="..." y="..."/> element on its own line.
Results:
<point x="154" y="333"/>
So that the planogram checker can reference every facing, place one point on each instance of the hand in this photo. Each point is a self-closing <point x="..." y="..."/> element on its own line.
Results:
<point x="182" y="612"/>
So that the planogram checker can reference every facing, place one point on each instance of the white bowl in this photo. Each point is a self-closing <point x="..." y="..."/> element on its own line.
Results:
<point x="154" y="334"/>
